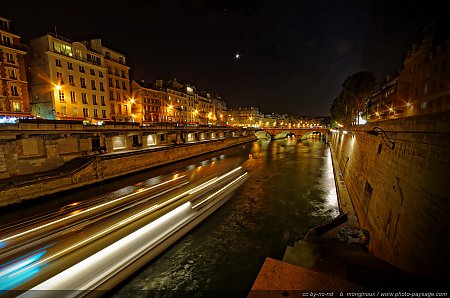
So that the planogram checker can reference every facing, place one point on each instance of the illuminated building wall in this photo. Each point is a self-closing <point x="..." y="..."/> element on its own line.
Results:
<point x="121" y="102"/>
<point x="220" y="108"/>
<point x="68" y="80"/>
<point x="204" y="107"/>
<point x="149" y="102"/>
<point x="244" y="116"/>
<point x="386" y="102"/>
<point x="422" y="86"/>
<point x="179" y="103"/>
<point x="14" y="101"/>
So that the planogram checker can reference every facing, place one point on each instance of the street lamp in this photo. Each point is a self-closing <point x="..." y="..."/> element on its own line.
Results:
<point x="379" y="131"/>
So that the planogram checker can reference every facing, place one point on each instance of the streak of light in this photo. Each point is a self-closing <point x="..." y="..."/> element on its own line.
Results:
<point x="77" y="214"/>
<point x="220" y="190"/>
<point x="206" y="184"/>
<point x="9" y="279"/>
<point x="28" y="267"/>
<point x="89" y="264"/>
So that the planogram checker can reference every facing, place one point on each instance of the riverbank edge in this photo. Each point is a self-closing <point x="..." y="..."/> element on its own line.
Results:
<point x="282" y="276"/>
<point x="103" y="167"/>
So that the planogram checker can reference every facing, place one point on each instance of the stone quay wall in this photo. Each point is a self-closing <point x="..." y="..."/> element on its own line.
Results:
<point x="401" y="192"/>
<point x="41" y="145"/>
<point x="39" y="160"/>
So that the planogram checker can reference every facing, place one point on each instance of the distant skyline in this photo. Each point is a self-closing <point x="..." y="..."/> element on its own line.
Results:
<point x="287" y="56"/>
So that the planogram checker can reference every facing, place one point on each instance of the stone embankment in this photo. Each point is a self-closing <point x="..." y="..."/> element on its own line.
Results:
<point x="396" y="173"/>
<point x="81" y="171"/>
<point x="391" y="180"/>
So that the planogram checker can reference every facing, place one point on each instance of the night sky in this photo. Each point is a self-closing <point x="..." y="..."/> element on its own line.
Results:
<point x="293" y="54"/>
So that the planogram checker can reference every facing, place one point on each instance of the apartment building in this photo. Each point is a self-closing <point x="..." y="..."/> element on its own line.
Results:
<point x="220" y="110"/>
<point x="246" y="116"/>
<point x="421" y="87"/>
<point x="426" y="77"/>
<point x="150" y="102"/>
<point x="14" y="100"/>
<point x="118" y="76"/>
<point x="387" y="102"/>
<point x="67" y="80"/>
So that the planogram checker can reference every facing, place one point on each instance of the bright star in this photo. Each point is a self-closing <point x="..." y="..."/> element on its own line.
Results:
<point x="237" y="56"/>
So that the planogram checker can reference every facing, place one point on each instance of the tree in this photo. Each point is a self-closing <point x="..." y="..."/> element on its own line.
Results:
<point x="356" y="89"/>
<point x="353" y="97"/>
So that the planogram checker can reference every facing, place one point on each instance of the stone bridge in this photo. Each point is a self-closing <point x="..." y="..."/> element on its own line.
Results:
<point x="282" y="132"/>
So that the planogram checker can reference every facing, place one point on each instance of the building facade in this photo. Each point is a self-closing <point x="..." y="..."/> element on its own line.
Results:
<point x="14" y="99"/>
<point x="421" y="87"/>
<point x="244" y="117"/>
<point x="68" y="80"/>
<point x="150" y="103"/>
<point x="118" y="76"/>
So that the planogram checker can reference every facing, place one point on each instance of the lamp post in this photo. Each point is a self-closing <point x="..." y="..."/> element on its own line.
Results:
<point x="379" y="131"/>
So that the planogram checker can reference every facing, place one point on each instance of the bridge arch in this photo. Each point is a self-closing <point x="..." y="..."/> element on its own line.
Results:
<point x="300" y="133"/>
<point x="261" y="134"/>
<point x="313" y="134"/>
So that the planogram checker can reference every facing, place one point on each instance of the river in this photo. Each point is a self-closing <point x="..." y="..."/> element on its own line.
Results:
<point x="289" y="190"/>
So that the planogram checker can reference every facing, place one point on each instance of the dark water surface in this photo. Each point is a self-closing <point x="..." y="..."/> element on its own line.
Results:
<point x="289" y="190"/>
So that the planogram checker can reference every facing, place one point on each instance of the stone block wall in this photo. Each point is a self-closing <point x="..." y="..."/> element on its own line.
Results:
<point x="102" y="167"/>
<point x="402" y="195"/>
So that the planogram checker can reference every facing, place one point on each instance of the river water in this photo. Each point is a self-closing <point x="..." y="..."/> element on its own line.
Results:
<point x="289" y="190"/>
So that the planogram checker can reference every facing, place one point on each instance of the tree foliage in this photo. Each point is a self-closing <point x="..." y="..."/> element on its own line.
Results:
<point x="353" y="97"/>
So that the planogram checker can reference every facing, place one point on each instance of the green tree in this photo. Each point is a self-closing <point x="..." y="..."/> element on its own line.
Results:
<point x="353" y="97"/>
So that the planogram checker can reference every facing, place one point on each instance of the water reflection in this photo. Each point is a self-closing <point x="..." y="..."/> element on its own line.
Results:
<point x="289" y="190"/>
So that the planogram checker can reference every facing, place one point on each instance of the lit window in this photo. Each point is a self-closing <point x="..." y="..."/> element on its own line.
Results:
<point x="423" y="105"/>
<point x="16" y="106"/>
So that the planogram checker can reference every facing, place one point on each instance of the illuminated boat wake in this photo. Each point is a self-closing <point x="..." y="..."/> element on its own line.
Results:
<point x="109" y="266"/>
